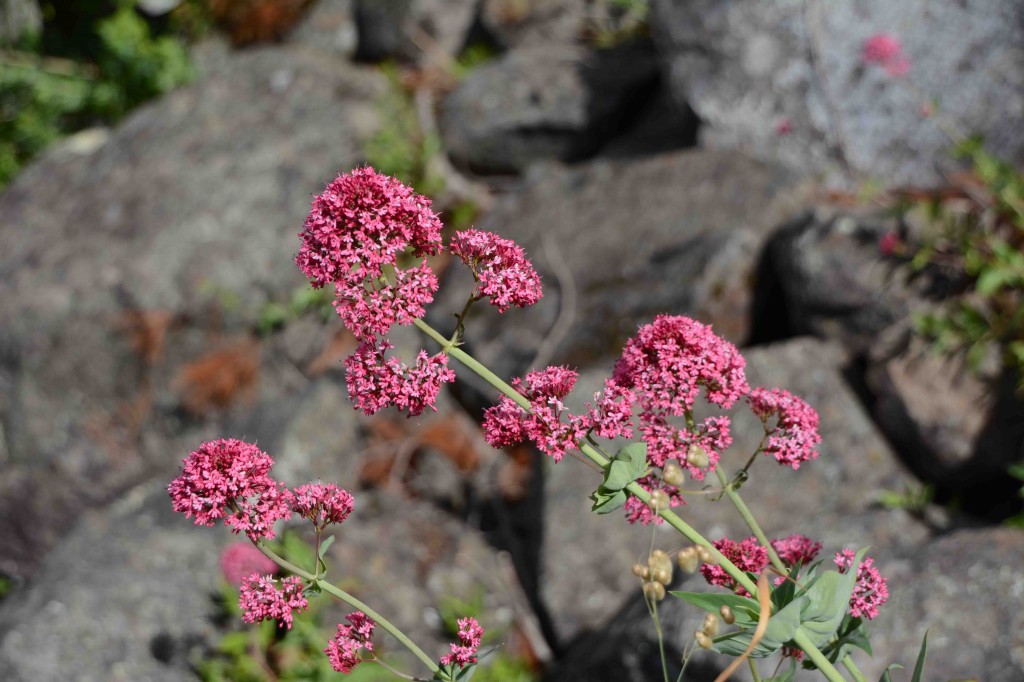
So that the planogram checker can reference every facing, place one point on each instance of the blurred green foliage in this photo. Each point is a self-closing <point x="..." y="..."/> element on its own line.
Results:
<point x="93" y="62"/>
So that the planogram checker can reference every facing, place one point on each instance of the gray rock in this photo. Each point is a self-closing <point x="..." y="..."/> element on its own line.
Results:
<point x="125" y="597"/>
<point x="746" y="68"/>
<point x="617" y="243"/>
<point x="544" y="102"/>
<point x="329" y="26"/>
<point x="188" y="202"/>
<point x="414" y="30"/>
<point x="835" y="283"/>
<point x="522" y="23"/>
<point x="959" y="429"/>
<point x="830" y="499"/>
<point x="19" y="18"/>
<point x="964" y="589"/>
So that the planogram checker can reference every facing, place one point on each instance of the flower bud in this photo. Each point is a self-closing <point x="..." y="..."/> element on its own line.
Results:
<point x="710" y="625"/>
<point x="660" y="575"/>
<point x="727" y="615"/>
<point x="688" y="559"/>
<point x="705" y="555"/>
<point x="702" y="639"/>
<point x="641" y="571"/>
<point x="659" y="501"/>
<point x="672" y="473"/>
<point x="697" y="456"/>
<point x="655" y="591"/>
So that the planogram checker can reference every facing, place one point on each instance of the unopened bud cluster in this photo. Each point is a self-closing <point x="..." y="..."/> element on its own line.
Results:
<point x="708" y="631"/>
<point x="657" y="574"/>
<point x="690" y="558"/>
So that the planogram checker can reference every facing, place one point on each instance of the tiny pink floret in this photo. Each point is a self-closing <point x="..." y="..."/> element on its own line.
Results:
<point x="503" y="273"/>
<point x="886" y="51"/>
<point x="230" y="479"/>
<point x="260" y="599"/>
<point x="241" y="559"/>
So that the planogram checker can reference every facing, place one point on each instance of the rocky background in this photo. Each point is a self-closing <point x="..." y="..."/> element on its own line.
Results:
<point x="700" y="161"/>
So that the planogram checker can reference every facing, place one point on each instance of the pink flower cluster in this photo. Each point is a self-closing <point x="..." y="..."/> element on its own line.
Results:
<point x="548" y="424"/>
<point x="871" y="590"/>
<point x="748" y="556"/>
<point x="376" y="382"/>
<point x="886" y="51"/>
<point x="230" y="479"/>
<point x="464" y="653"/>
<point x="795" y="435"/>
<point x="640" y="512"/>
<point x="260" y="599"/>
<point x="343" y="649"/>
<point x="322" y="503"/>
<point x="241" y="559"/>
<point x="666" y="366"/>
<point x="796" y="549"/>
<point x="501" y="269"/>
<point x="353" y="237"/>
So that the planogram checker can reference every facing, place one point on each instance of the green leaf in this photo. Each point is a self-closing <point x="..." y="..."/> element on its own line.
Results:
<point x="992" y="280"/>
<point x="826" y="601"/>
<point x="781" y="629"/>
<point x="606" y="502"/>
<point x="745" y="609"/>
<point x="234" y="643"/>
<point x="325" y="544"/>
<point x="787" y="675"/>
<point x="629" y="464"/>
<point x="919" y="666"/>
<point x="886" y="677"/>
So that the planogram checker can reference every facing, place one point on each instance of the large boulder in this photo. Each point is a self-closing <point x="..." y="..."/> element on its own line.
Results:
<point x="414" y="30"/>
<point x="113" y="259"/>
<point x="616" y="243"/>
<point x="785" y="80"/>
<point x="543" y="102"/>
<point x="523" y="23"/>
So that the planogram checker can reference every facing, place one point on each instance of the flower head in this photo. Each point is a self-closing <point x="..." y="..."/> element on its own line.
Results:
<point x="376" y="382"/>
<point x="343" y="649"/>
<point x="501" y="268"/>
<point x="322" y="503"/>
<point x="357" y="230"/>
<point x="793" y="438"/>
<point x="886" y="51"/>
<point x="260" y="599"/>
<point x="230" y="479"/>
<point x="796" y="549"/>
<point x="748" y="556"/>
<point x="241" y="559"/>
<point x="464" y="653"/>
<point x="871" y="590"/>
<point x="641" y="512"/>
<point x="548" y="423"/>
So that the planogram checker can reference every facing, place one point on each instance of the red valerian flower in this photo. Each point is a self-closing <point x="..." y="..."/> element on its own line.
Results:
<point x="260" y="599"/>
<point x="376" y="382"/>
<point x="322" y="503"/>
<point x="464" y="653"/>
<point x="871" y="590"/>
<point x="886" y="51"/>
<point x="503" y="273"/>
<point x="241" y="559"/>
<point x="748" y="556"/>
<point x="343" y="650"/>
<point x="793" y="438"/>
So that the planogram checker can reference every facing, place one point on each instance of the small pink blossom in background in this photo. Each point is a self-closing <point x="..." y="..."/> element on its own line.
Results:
<point x="792" y="652"/>
<point x="260" y="599"/>
<point x="357" y="228"/>
<point x="241" y="559"/>
<point x="783" y="127"/>
<point x="228" y="472"/>
<point x="376" y="382"/>
<point x="886" y="51"/>
<point x="796" y="549"/>
<point x="641" y="512"/>
<point x="548" y="424"/>
<point x="889" y="244"/>
<point x="871" y="590"/>
<point x="343" y="649"/>
<point x="322" y="503"/>
<point x="503" y="273"/>
<point x="464" y="653"/>
<point x="795" y="435"/>
<point x="927" y="109"/>
<point x="748" y="556"/>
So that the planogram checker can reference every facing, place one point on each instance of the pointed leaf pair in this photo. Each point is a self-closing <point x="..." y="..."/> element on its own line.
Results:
<point x="629" y="464"/>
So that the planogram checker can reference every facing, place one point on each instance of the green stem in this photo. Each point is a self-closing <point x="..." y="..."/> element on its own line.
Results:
<point x="753" y="670"/>
<point x="818" y="658"/>
<point x="854" y="670"/>
<point x="355" y="603"/>
<point x="748" y="518"/>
